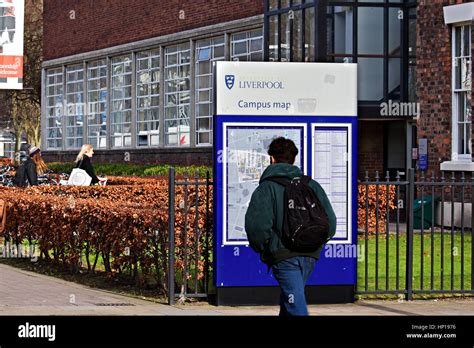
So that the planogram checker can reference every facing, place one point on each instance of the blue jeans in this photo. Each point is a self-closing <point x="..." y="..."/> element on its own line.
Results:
<point x="292" y="275"/>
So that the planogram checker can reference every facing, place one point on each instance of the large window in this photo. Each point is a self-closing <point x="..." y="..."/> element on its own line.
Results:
<point x="373" y="37"/>
<point x="177" y="95"/>
<point x="75" y="106"/>
<point x="54" y="108"/>
<point x="97" y="104"/>
<point x="207" y="51"/>
<point x="148" y="98"/>
<point x="142" y="99"/>
<point x="247" y="46"/>
<point x="121" y="109"/>
<point x="291" y="31"/>
<point x="462" y="86"/>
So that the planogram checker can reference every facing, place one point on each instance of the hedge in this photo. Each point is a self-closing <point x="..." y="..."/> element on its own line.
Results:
<point x="374" y="220"/>
<point x="125" y="225"/>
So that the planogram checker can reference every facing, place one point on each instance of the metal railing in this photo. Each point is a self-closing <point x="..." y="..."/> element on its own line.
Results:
<point x="189" y="258"/>
<point x="431" y="248"/>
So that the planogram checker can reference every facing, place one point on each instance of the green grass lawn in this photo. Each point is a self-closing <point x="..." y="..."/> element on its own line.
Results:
<point x="442" y="269"/>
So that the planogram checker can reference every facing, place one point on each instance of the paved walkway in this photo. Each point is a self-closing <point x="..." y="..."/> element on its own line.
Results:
<point x="27" y="293"/>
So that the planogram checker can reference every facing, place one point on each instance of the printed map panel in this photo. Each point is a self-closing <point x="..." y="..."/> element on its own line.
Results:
<point x="247" y="158"/>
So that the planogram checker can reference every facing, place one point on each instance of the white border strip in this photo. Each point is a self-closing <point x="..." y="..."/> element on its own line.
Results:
<point x="349" y="172"/>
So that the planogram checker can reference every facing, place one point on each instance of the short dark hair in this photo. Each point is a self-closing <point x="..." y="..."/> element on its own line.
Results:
<point x="283" y="150"/>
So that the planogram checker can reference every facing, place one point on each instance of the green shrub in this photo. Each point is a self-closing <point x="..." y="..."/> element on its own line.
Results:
<point x="180" y="170"/>
<point x="129" y="169"/>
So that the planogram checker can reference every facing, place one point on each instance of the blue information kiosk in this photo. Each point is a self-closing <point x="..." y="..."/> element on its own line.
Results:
<point x="315" y="105"/>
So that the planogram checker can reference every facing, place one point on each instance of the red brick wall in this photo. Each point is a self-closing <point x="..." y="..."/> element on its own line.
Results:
<point x="434" y="80"/>
<point x="106" y="23"/>
<point x="370" y="148"/>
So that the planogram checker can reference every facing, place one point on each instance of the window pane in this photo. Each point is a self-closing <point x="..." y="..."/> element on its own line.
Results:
<point x="297" y="36"/>
<point x="310" y="40"/>
<point x="394" y="66"/>
<point x="54" y="114"/>
<point x="75" y="108"/>
<point x="204" y="82"/>
<point x="341" y="29"/>
<point x="285" y="37"/>
<point x="148" y="97"/>
<point x="273" y="5"/>
<point x="458" y="41"/>
<point x="177" y="97"/>
<point x="370" y="79"/>
<point x="121" y="101"/>
<point x="412" y="32"/>
<point x="273" y="39"/>
<point x="394" y="27"/>
<point x="370" y="30"/>
<point x="412" y="81"/>
<point x="466" y="41"/>
<point x="247" y="46"/>
<point x="457" y="73"/>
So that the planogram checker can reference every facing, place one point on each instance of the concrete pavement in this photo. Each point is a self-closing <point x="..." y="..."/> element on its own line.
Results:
<point x="28" y="293"/>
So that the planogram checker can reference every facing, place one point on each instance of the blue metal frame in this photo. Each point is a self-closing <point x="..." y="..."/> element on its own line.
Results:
<point x="246" y="269"/>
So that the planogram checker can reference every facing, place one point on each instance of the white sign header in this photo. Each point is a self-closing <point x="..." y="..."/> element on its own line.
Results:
<point x="286" y="89"/>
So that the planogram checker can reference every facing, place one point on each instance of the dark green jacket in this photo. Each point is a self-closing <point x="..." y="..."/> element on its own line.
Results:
<point x="264" y="217"/>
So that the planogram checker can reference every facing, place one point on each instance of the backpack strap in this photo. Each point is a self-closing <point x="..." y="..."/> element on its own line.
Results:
<point x="305" y="179"/>
<point x="279" y="180"/>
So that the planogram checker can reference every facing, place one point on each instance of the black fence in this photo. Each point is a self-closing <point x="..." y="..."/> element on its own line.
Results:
<point x="190" y="237"/>
<point x="414" y="236"/>
<point x="417" y="235"/>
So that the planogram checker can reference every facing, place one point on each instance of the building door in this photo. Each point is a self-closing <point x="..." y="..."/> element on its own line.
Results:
<point x="396" y="148"/>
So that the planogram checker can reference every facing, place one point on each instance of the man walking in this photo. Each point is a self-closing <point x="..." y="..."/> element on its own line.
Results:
<point x="264" y="225"/>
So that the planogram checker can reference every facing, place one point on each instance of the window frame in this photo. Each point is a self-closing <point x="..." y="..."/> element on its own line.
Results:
<point x="198" y="89"/>
<point x="456" y="92"/>
<point x="78" y="140"/>
<point x="55" y="72"/>
<point x="179" y="66"/>
<point x="152" y="54"/>
<point x="252" y="31"/>
<point x="97" y="65"/>
<point x="123" y="99"/>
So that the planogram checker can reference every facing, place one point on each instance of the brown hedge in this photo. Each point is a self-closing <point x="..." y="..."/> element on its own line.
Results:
<point x="125" y="225"/>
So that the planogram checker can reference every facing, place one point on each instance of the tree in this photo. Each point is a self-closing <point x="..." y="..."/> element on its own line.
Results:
<point x="24" y="106"/>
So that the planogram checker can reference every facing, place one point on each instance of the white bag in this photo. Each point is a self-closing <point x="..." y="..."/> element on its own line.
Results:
<point x="79" y="177"/>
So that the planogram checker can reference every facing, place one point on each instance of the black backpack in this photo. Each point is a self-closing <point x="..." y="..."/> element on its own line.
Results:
<point x="305" y="222"/>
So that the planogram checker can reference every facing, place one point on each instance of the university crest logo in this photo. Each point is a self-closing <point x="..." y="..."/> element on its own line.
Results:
<point x="229" y="81"/>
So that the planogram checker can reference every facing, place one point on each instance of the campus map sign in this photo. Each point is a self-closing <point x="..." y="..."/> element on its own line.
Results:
<point x="313" y="104"/>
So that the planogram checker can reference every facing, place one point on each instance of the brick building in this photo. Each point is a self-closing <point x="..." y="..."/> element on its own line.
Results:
<point x="444" y="82"/>
<point x="143" y="69"/>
